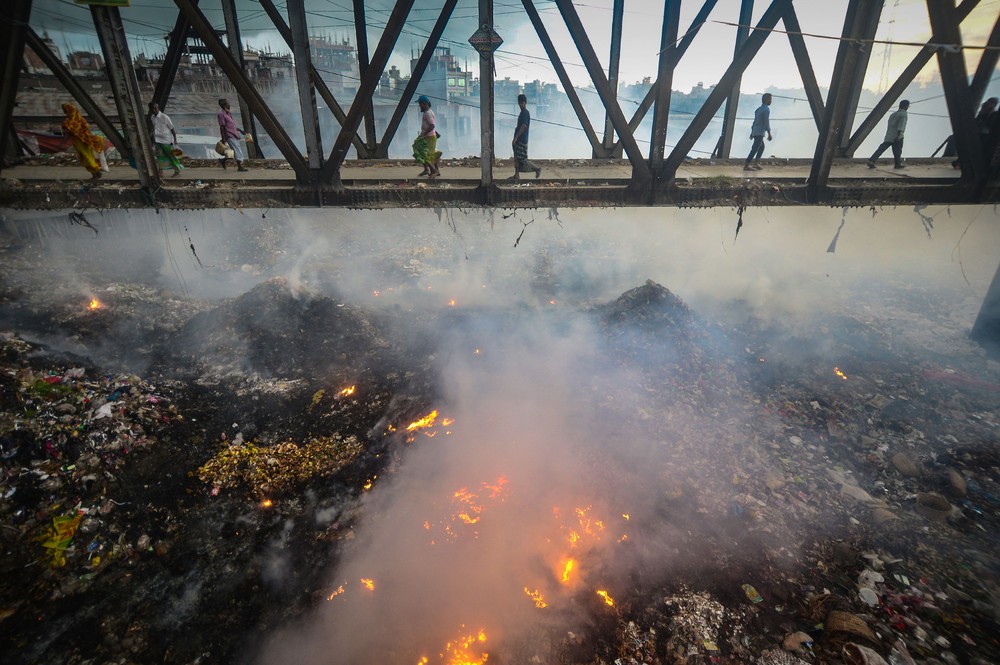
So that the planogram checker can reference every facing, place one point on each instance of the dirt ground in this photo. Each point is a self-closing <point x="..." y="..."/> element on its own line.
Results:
<point x="180" y="474"/>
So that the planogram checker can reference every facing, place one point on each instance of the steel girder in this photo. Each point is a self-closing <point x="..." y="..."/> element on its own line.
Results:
<point x="838" y="98"/>
<point x="363" y="98"/>
<point x="560" y="69"/>
<point x="307" y="94"/>
<point x="640" y="170"/>
<point x="132" y="114"/>
<point x="361" y="33"/>
<point x="245" y="88"/>
<point x="987" y="63"/>
<point x="236" y="48"/>
<point x="486" y="102"/>
<point x="955" y="81"/>
<point x="725" y="143"/>
<point x="171" y="61"/>
<point x="617" y="16"/>
<point x="804" y="64"/>
<point x="13" y="32"/>
<point x="751" y="46"/>
<point x="664" y="83"/>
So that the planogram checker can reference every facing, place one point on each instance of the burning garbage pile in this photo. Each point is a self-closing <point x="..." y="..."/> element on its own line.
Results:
<point x="623" y="484"/>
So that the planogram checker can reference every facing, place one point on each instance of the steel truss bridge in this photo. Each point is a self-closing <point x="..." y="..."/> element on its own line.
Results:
<point x="652" y="178"/>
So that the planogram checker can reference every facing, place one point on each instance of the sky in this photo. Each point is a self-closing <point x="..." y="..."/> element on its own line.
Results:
<point x="521" y="57"/>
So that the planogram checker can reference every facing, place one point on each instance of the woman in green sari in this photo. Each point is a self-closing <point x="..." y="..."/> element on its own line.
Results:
<point x="425" y="146"/>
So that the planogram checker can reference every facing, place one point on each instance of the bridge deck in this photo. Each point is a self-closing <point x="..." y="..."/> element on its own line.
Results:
<point x="380" y="184"/>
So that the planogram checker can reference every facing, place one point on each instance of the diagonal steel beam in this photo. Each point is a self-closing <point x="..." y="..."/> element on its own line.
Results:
<point x="640" y="169"/>
<point x="361" y="32"/>
<point x="955" y="81"/>
<point x="236" y="48"/>
<point x="675" y="56"/>
<point x="245" y="88"/>
<point x="721" y="91"/>
<point x="664" y="81"/>
<point x="171" y="61"/>
<point x="382" y="151"/>
<point x="906" y="77"/>
<point x="614" y="62"/>
<point x="370" y="81"/>
<point x="725" y="144"/>
<point x="13" y="32"/>
<point x="568" y="87"/>
<point x="839" y="95"/>
<point x="321" y="87"/>
<point x="125" y="86"/>
<point x="868" y="25"/>
<point x="79" y="93"/>
<point x="307" y="94"/>
<point x="987" y="63"/>
<point x="802" y="61"/>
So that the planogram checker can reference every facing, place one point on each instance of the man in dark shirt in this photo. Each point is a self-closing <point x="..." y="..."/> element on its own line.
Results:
<point x="520" y="142"/>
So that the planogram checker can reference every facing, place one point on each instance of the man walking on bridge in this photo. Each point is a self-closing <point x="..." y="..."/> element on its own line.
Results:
<point x="761" y="125"/>
<point x="520" y="142"/>
<point x="893" y="137"/>
<point x="230" y="135"/>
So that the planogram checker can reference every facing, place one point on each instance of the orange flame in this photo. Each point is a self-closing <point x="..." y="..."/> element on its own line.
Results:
<point x="536" y="596"/>
<point x="608" y="600"/>
<point x="426" y="421"/>
<point x="266" y="503"/>
<point x="836" y="370"/>
<point x="336" y="592"/>
<point x="94" y="304"/>
<point x="368" y="483"/>
<point x="348" y="391"/>
<point x="568" y="566"/>
<point x="368" y="583"/>
<point x="451" y="303"/>
<point x="447" y="422"/>
<point x="460" y="651"/>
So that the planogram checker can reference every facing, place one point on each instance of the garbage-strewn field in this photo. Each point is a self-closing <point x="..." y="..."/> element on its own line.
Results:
<point x="222" y="449"/>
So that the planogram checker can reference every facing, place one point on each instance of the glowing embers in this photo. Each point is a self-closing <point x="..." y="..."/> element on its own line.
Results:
<point x="585" y="526"/>
<point x="427" y="425"/>
<point x="469" y="507"/>
<point x="608" y="600"/>
<point x="94" y="304"/>
<point x="367" y="584"/>
<point x="537" y="597"/>
<point x="266" y="503"/>
<point x="836" y="370"/>
<point x="347" y="392"/>
<point x="465" y="650"/>
<point x="567" y="565"/>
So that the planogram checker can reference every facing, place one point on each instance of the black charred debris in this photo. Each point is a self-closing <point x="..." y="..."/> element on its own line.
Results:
<point x="854" y="509"/>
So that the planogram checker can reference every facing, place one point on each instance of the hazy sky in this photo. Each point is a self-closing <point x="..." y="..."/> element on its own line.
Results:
<point x="522" y="57"/>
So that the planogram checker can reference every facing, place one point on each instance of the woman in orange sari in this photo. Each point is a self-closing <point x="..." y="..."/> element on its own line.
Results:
<point x="88" y="146"/>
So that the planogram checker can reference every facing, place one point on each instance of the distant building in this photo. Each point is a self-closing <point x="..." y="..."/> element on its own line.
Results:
<point x="444" y="78"/>
<point x="33" y="64"/>
<point x="337" y="64"/>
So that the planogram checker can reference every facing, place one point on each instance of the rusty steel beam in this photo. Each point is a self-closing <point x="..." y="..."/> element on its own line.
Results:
<point x="725" y="144"/>
<point x="719" y="94"/>
<point x="382" y="150"/>
<point x="675" y="57"/>
<point x="557" y="65"/>
<point x="987" y="63"/>
<point x="664" y="81"/>
<point x="838" y="96"/>
<point x="804" y="64"/>
<point x="363" y="98"/>
<point x="955" y="81"/>
<point x="640" y="169"/>
<point x="79" y="93"/>
<point x="124" y="85"/>
<point x="13" y="32"/>
<point x="361" y="33"/>
<point x="868" y="26"/>
<point x="906" y="77"/>
<point x="487" y="101"/>
<point x="236" y="48"/>
<point x="307" y="94"/>
<point x="245" y="88"/>
<point x="317" y="81"/>
<point x="617" y="16"/>
<point x="171" y="61"/>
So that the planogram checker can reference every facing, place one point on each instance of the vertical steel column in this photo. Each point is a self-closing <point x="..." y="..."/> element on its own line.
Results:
<point x="617" y="17"/>
<point x="955" y="81"/>
<point x="725" y="143"/>
<point x="131" y="112"/>
<point x="486" y="99"/>
<point x="236" y="48"/>
<point x="664" y="82"/>
<point x="361" y="32"/>
<point x="307" y="94"/>
<point x="987" y="63"/>
<point x="837" y="98"/>
<point x="869" y="26"/>
<point x="12" y="32"/>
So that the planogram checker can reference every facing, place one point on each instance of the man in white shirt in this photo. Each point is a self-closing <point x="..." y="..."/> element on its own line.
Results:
<point x="893" y="137"/>
<point x="165" y="139"/>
